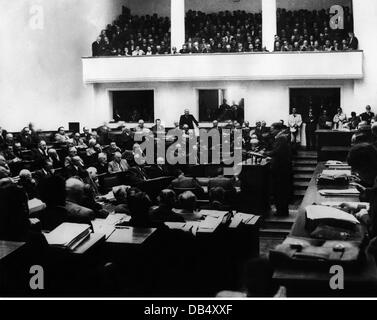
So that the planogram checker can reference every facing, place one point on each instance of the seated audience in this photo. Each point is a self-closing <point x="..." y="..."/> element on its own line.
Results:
<point x="118" y="164"/>
<point x="74" y="196"/>
<point x="101" y="165"/>
<point x="164" y="211"/>
<point x="183" y="183"/>
<point x="61" y="135"/>
<point x="188" y="207"/>
<point x="28" y="184"/>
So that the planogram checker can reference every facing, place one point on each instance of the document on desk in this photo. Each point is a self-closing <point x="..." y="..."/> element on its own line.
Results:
<point x="214" y="213"/>
<point x="335" y="173"/>
<point x="175" y="225"/>
<point x="322" y="212"/>
<point x="100" y="226"/>
<point x="359" y="205"/>
<point x="339" y="192"/>
<point x="336" y="163"/>
<point x="210" y="223"/>
<point x="113" y="219"/>
<point x="236" y="221"/>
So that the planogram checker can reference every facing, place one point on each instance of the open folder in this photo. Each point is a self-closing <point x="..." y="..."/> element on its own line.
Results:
<point x="68" y="235"/>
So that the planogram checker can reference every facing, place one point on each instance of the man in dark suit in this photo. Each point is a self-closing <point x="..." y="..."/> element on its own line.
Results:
<point x="353" y="42"/>
<point x="281" y="169"/>
<point x="227" y="184"/>
<point x="96" y="47"/>
<point x="368" y="115"/>
<point x="183" y="183"/>
<point x="188" y="119"/>
<point x="40" y="154"/>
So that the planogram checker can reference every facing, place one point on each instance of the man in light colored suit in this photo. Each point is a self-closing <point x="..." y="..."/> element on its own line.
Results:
<point x="118" y="164"/>
<point x="295" y="123"/>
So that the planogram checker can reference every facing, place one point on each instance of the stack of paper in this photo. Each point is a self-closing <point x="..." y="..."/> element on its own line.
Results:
<point x="328" y="213"/>
<point x="336" y="163"/>
<point x="335" y="204"/>
<point x="337" y="173"/>
<point x="339" y="192"/>
<point x="68" y="235"/>
<point x="100" y="226"/>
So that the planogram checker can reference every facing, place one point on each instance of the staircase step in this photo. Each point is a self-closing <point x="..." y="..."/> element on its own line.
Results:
<point x="301" y="184"/>
<point x="299" y="193"/>
<point x="305" y="162"/>
<point x="307" y="154"/>
<point x="302" y="176"/>
<point x="274" y="232"/>
<point x="304" y="169"/>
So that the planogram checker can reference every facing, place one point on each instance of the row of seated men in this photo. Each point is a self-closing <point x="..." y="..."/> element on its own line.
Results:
<point x="74" y="195"/>
<point x="109" y="275"/>
<point x="227" y="31"/>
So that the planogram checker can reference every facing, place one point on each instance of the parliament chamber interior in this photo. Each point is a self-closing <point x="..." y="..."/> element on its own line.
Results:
<point x="187" y="148"/>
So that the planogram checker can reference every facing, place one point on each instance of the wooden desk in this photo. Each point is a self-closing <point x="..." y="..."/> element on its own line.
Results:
<point x="312" y="282"/>
<point x="8" y="247"/>
<point x="90" y="243"/>
<point x="130" y="235"/>
<point x="339" y="140"/>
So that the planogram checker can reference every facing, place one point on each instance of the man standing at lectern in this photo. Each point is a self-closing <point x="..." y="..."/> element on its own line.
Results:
<point x="188" y="119"/>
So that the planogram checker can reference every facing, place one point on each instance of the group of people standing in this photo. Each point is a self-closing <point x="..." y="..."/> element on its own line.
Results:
<point x="339" y="121"/>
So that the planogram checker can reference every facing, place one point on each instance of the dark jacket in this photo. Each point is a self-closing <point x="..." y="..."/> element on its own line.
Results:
<point x="189" y="120"/>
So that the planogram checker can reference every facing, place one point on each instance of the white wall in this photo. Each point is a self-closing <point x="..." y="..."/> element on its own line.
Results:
<point x="264" y="100"/>
<point x="40" y="70"/>
<point x="365" y="12"/>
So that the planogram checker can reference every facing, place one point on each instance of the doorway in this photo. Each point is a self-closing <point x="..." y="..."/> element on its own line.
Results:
<point x="316" y="98"/>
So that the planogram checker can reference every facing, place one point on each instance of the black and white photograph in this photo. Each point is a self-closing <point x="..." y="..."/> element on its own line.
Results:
<point x="167" y="150"/>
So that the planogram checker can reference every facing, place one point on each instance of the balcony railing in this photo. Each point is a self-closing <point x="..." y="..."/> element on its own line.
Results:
<point x="219" y="66"/>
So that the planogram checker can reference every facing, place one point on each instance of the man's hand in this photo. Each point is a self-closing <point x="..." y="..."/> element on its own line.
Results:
<point x="358" y="186"/>
<point x="349" y="208"/>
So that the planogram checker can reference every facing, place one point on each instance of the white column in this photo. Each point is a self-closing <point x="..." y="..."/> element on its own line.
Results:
<point x="365" y="23"/>
<point x="177" y="23"/>
<point x="269" y="23"/>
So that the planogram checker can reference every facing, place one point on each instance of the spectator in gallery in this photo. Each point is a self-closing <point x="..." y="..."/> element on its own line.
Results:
<point x="118" y="164"/>
<point x="367" y="115"/>
<point x="310" y="128"/>
<point x="339" y="119"/>
<point x="353" y="42"/>
<point x="96" y="47"/>
<point x="188" y="119"/>
<point x="138" y="52"/>
<point x="324" y="121"/>
<point x="295" y="123"/>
